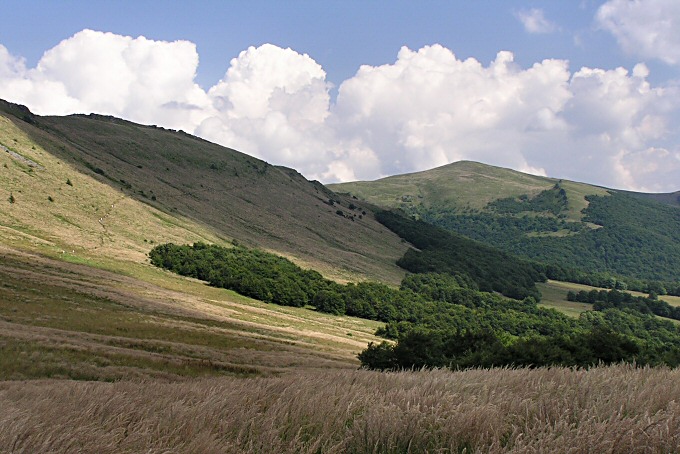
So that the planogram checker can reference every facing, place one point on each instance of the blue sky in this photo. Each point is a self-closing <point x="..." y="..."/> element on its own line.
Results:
<point x="435" y="86"/>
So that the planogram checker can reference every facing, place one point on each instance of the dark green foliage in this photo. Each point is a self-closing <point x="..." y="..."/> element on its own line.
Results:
<point x="379" y="356"/>
<point x="438" y="319"/>
<point x="552" y="200"/>
<point x="11" y="198"/>
<point x="330" y="301"/>
<point x="436" y="301"/>
<point x="68" y="182"/>
<point x="587" y="345"/>
<point x="444" y="252"/>
<point x="251" y="273"/>
<point x="638" y="238"/>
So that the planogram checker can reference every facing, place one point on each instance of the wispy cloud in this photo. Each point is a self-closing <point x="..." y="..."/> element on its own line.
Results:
<point x="535" y="22"/>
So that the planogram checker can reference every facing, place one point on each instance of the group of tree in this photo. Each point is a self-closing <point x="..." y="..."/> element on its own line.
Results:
<point x="441" y="251"/>
<point x="603" y="299"/>
<point x="553" y="200"/>
<point x="437" y="319"/>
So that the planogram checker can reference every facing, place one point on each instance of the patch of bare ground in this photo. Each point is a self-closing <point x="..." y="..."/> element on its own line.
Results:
<point x="616" y="409"/>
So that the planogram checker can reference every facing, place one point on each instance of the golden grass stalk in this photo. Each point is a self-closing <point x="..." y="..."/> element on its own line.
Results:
<point x="619" y="409"/>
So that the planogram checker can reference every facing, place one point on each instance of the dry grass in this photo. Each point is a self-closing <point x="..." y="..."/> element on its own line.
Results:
<point x="617" y="409"/>
<point x="67" y="320"/>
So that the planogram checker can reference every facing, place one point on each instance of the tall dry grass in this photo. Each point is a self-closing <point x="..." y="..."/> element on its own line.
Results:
<point x="617" y="409"/>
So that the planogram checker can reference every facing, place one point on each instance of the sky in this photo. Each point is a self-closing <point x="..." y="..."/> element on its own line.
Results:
<point x="358" y="90"/>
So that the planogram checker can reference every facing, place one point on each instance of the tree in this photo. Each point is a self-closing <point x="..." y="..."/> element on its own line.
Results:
<point x="329" y="301"/>
<point x="378" y="356"/>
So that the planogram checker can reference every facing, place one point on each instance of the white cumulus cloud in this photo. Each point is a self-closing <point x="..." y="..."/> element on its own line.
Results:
<point x="427" y="108"/>
<point x="136" y="78"/>
<point x="647" y="28"/>
<point x="272" y="103"/>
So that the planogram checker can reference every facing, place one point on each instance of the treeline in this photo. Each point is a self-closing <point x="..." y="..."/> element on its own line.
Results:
<point x="603" y="299"/>
<point x="250" y="272"/>
<point x="445" y="252"/>
<point x="433" y="300"/>
<point x="609" y="336"/>
<point x="610" y="281"/>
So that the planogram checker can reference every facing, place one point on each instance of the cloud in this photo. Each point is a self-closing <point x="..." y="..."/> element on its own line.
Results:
<point x="646" y="28"/>
<point x="614" y="118"/>
<point x="534" y="21"/>
<point x="272" y="103"/>
<point x="427" y="108"/>
<point x="139" y="79"/>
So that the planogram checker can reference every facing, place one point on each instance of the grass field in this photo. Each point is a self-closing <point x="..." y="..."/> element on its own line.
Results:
<point x="101" y="352"/>
<point x="616" y="409"/>
<point x="68" y="320"/>
<point x="555" y="296"/>
<point x="106" y="187"/>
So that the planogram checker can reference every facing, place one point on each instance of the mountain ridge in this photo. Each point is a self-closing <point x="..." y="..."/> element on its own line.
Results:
<point x="169" y="180"/>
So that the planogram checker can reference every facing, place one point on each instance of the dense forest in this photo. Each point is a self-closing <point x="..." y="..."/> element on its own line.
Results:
<point x="446" y="252"/>
<point x="603" y="299"/>
<point x="632" y="239"/>
<point x="438" y="319"/>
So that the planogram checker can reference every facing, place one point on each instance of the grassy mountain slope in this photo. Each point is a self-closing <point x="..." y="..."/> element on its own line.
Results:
<point x="101" y="186"/>
<point x="462" y="185"/>
<point x="558" y="222"/>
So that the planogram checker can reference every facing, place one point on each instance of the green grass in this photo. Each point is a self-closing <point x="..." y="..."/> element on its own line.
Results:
<point x="554" y="295"/>
<point x="462" y="185"/>
<point x="113" y="321"/>
<point x="22" y="360"/>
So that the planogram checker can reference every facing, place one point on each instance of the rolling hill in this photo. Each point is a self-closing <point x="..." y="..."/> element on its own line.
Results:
<point x="567" y="224"/>
<point x="96" y="186"/>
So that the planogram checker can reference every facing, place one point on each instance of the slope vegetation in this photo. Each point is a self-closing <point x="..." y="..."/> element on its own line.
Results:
<point x="101" y="186"/>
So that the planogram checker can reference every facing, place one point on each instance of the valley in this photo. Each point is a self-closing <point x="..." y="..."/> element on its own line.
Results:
<point x="93" y="328"/>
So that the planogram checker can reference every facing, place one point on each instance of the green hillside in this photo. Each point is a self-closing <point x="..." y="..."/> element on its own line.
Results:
<point x="95" y="186"/>
<point x="670" y="198"/>
<point x="567" y="224"/>
<point x="463" y="185"/>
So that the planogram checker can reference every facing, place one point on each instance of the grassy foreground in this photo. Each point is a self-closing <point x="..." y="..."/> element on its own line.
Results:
<point x="616" y="409"/>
